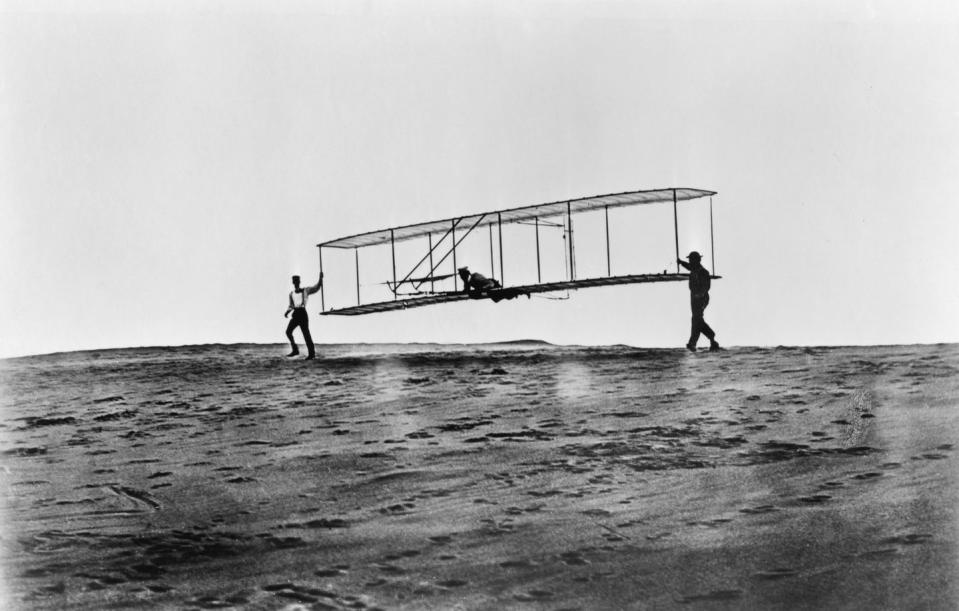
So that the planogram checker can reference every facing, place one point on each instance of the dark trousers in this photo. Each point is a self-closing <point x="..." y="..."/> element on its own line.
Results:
<point x="698" y="306"/>
<point x="301" y="320"/>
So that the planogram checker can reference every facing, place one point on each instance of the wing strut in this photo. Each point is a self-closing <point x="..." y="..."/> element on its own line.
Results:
<point x="499" y="227"/>
<point x="393" y="250"/>
<point x="609" y="268"/>
<point x="712" y="246"/>
<point x="429" y="237"/>
<point x="322" y="293"/>
<point x="676" y="229"/>
<point x="539" y="275"/>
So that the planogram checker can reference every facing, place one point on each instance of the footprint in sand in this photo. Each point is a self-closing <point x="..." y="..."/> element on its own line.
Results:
<point x="867" y="476"/>
<point x="573" y="559"/>
<point x="240" y="480"/>
<point x="303" y="594"/>
<point x="397" y="509"/>
<point x="910" y="539"/>
<point x="715" y="595"/>
<point x="411" y="553"/>
<point x="774" y="574"/>
<point x="319" y="523"/>
<point x="886" y="552"/>
<point x="142" y="501"/>
<point x="815" y="499"/>
<point x="602" y="513"/>
<point x="831" y="485"/>
<point x="714" y="523"/>
<point x="517" y="564"/>
<point x="759" y="509"/>
<point x="534" y="596"/>
<point x="209" y="602"/>
<point x="658" y="536"/>
<point x="420" y="435"/>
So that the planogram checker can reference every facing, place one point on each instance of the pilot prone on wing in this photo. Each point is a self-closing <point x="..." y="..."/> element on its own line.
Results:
<point x="475" y="283"/>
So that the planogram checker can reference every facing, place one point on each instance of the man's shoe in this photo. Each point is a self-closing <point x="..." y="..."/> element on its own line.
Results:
<point x="294" y="353"/>
<point x="310" y="357"/>
<point x="713" y="346"/>
<point x="691" y="347"/>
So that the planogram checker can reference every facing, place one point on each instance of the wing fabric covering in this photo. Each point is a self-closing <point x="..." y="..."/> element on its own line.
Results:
<point x="513" y="215"/>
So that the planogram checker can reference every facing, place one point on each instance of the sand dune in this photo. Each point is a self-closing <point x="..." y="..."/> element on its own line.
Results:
<point x="519" y="476"/>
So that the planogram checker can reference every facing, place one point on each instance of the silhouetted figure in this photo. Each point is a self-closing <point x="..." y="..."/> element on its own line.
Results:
<point x="476" y="284"/>
<point x="298" y="299"/>
<point x="699" y="282"/>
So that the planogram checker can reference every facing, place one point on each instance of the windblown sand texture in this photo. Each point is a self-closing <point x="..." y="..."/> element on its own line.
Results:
<point x="522" y="476"/>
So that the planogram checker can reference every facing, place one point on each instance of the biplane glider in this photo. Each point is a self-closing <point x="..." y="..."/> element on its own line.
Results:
<point x="436" y="276"/>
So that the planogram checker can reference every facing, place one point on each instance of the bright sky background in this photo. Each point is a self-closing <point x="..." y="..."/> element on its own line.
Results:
<point x="166" y="166"/>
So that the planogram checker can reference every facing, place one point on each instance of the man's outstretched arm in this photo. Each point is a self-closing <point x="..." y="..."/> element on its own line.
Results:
<point x="683" y="263"/>
<point x="312" y="289"/>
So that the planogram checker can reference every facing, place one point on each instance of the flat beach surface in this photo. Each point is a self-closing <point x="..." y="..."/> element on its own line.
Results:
<point x="518" y="476"/>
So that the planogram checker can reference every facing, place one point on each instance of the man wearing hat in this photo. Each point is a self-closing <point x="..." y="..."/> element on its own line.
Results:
<point x="699" y="282"/>
<point x="298" y="298"/>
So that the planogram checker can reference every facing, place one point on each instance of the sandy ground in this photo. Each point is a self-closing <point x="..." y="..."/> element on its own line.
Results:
<point x="511" y="477"/>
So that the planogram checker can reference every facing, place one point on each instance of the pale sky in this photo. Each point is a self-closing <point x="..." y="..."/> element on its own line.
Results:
<point x="166" y="166"/>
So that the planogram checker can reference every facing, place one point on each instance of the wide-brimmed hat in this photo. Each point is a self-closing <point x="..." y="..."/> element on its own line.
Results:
<point x="463" y="269"/>
<point x="695" y="255"/>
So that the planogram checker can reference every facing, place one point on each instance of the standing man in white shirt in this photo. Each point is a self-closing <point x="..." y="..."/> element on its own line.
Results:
<point x="298" y="298"/>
